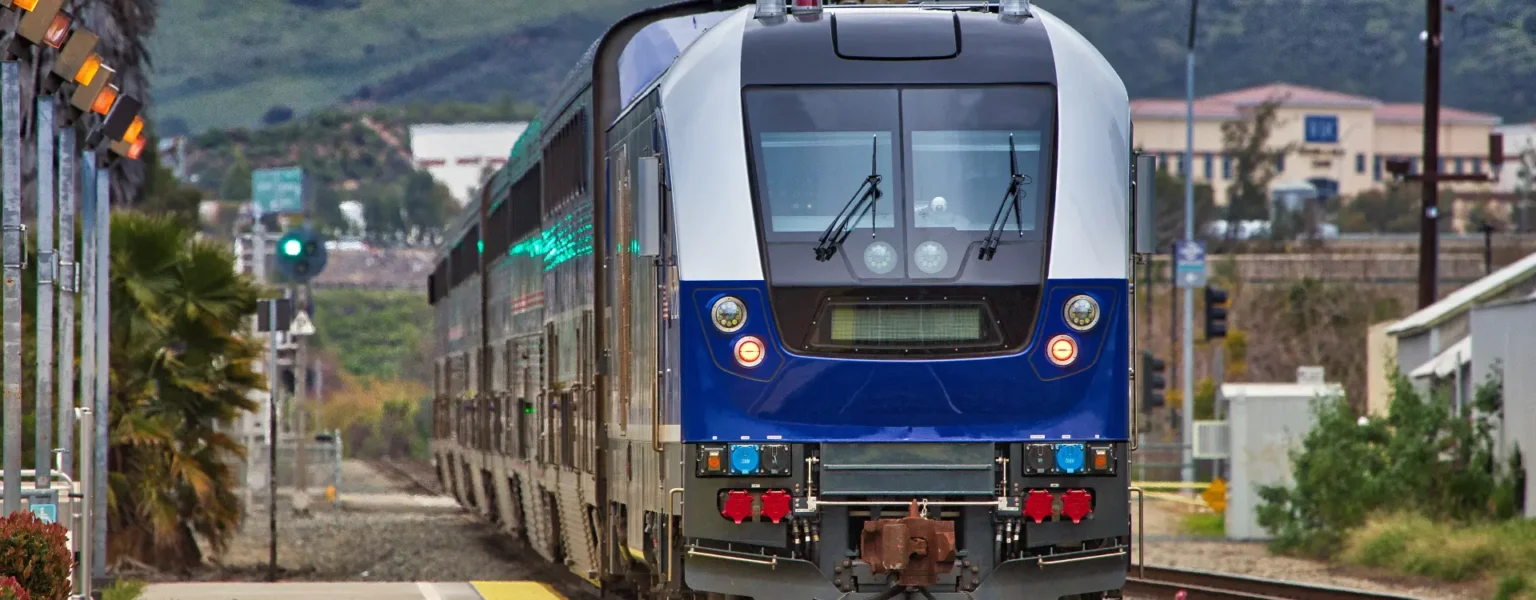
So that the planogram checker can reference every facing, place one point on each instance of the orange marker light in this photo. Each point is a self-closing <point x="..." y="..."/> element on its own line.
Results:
<point x="58" y="31"/>
<point x="104" y="100"/>
<point x="134" y="130"/>
<point x="137" y="148"/>
<point x="88" y="69"/>
<point x="1062" y="350"/>
<point x="27" y="5"/>
<point x="749" y="351"/>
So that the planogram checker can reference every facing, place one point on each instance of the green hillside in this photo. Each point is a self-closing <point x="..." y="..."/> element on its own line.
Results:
<point x="223" y="64"/>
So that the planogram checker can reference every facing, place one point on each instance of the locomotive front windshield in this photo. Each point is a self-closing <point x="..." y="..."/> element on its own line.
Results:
<point x="940" y="190"/>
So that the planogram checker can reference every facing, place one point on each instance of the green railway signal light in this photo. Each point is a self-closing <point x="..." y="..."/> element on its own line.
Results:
<point x="301" y="254"/>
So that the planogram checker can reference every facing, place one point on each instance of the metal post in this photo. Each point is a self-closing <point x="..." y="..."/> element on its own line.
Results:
<point x="1188" y="404"/>
<point x="46" y="269"/>
<point x="300" y="380"/>
<point x="88" y="300"/>
<point x="10" y="128"/>
<point x="258" y="269"/>
<point x="273" y="382"/>
<point x="69" y="285"/>
<point x="103" y="365"/>
<point x="87" y="558"/>
<point x="1428" y="223"/>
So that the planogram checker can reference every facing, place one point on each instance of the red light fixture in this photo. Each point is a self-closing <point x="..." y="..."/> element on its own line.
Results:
<point x="1037" y="505"/>
<point x="775" y="505"/>
<point x="738" y="506"/>
<point x="749" y="351"/>
<point x="1076" y="504"/>
<point x="1061" y="350"/>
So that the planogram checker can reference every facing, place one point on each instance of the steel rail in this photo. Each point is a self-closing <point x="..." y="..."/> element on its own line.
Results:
<point x="1164" y="582"/>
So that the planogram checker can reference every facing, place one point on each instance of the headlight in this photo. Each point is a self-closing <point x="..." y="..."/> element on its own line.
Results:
<point x="729" y="314"/>
<point x="1082" y="312"/>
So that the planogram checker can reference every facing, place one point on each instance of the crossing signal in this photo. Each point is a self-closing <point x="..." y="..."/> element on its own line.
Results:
<point x="1215" y="313"/>
<point x="301" y="254"/>
<point x="1153" y="384"/>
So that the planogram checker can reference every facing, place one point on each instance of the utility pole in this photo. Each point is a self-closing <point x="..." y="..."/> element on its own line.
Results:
<point x="10" y="128"/>
<point x="273" y="382"/>
<point x="69" y="285"/>
<point x="1186" y="407"/>
<point x="87" y="310"/>
<point x="1429" y="253"/>
<point x="259" y="269"/>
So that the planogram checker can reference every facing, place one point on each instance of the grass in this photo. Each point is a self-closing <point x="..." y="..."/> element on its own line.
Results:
<point x="1503" y="552"/>
<point x="1205" y="525"/>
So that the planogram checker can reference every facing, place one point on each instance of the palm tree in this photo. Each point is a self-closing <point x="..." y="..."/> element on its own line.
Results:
<point x="181" y="365"/>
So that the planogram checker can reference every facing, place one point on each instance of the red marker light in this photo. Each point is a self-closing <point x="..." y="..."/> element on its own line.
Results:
<point x="1062" y="350"/>
<point x="749" y="351"/>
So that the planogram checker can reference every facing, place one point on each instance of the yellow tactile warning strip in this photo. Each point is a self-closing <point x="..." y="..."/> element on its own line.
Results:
<point x="515" y="590"/>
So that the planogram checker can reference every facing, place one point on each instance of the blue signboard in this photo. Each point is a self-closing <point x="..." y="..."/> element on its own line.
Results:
<point x="47" y="513"/>
<point x="1189" y="263"/>
<point x="1322" y="129"/>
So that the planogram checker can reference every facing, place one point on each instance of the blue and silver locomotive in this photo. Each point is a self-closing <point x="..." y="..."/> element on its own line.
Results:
<point x="801" y="301"/>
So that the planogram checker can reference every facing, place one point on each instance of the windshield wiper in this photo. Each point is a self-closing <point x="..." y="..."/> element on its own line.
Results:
<point x="862" y="202"/>
<point x="1011" y="197"/>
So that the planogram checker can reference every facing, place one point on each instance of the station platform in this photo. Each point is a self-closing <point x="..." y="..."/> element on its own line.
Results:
<point x="475" y="590"/>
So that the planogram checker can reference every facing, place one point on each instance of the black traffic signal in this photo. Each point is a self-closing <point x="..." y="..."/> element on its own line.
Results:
<point x="1153" y="384"/>
<point x="300" y="254"/>
<point x="1215" y="313"/>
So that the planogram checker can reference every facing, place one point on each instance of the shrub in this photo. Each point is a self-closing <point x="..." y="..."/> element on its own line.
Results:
<point x="124" y="589"/>
<point x="36" y="554"/>
<point x="1346" y="471"/>
<point x="11" y="590"/>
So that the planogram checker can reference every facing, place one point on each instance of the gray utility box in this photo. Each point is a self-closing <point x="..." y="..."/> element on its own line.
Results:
<point x="1267" y="421"/>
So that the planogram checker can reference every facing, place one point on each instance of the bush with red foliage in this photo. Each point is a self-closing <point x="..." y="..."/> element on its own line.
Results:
<point x="11" y="590"/>
<point x="37" y="555"/>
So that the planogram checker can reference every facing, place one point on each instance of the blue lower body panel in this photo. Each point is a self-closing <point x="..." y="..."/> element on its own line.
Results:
<point x="815" y="399"/>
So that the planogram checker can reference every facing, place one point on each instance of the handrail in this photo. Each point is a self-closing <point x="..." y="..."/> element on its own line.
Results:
<point x="1141" y="530"/>
<point x="666" y="567"/>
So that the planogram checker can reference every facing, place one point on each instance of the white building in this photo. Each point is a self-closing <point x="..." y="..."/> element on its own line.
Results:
<point x="458" y="155"/>
<point x="1519" y="141"/>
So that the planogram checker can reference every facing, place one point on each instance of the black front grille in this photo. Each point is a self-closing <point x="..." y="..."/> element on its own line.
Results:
<point x="905" y="320"/>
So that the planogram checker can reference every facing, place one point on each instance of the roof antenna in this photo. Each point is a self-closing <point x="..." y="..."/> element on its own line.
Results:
<point x="1015" y="8"/>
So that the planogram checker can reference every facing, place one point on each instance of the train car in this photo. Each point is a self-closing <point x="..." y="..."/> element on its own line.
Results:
<point x="781" y="300"/>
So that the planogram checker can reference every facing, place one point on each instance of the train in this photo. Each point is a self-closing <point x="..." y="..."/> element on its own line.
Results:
<point x="787" y="299"/>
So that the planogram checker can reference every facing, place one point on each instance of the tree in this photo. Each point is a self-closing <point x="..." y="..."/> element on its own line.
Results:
<point x="1393" y="209"/>
<point x="1525" y="188"/>
<point x="1169" y="198"/>
<point x="1253" y="162"/>
<point x="237" y="180"/>
<point x="162" y="192"/>
<point x="180" y="365"/>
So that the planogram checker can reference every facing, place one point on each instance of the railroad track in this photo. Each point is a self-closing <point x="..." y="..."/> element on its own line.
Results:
<point x="1165" y="583"/>
<point x="413" y="477"/>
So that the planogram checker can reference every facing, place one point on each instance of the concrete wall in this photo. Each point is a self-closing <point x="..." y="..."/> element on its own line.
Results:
<point x="1505" y="334"/>
<point x="1381" y="352"/>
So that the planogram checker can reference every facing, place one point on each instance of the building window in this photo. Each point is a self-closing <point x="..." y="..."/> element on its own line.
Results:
<point x="1458" y="166"/>
<point x="1226" y="167"/>
<point x="1377" y="168"/>
<point x="1208" y="161"/>
<point x="1359" y="163"/>
<point x="1180" y="161"/>
<point x="1413" y="166"/>
<point x="1162" y="162"/>
<point x="1280" y="163"/>
<point x="1477" y="166"/>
